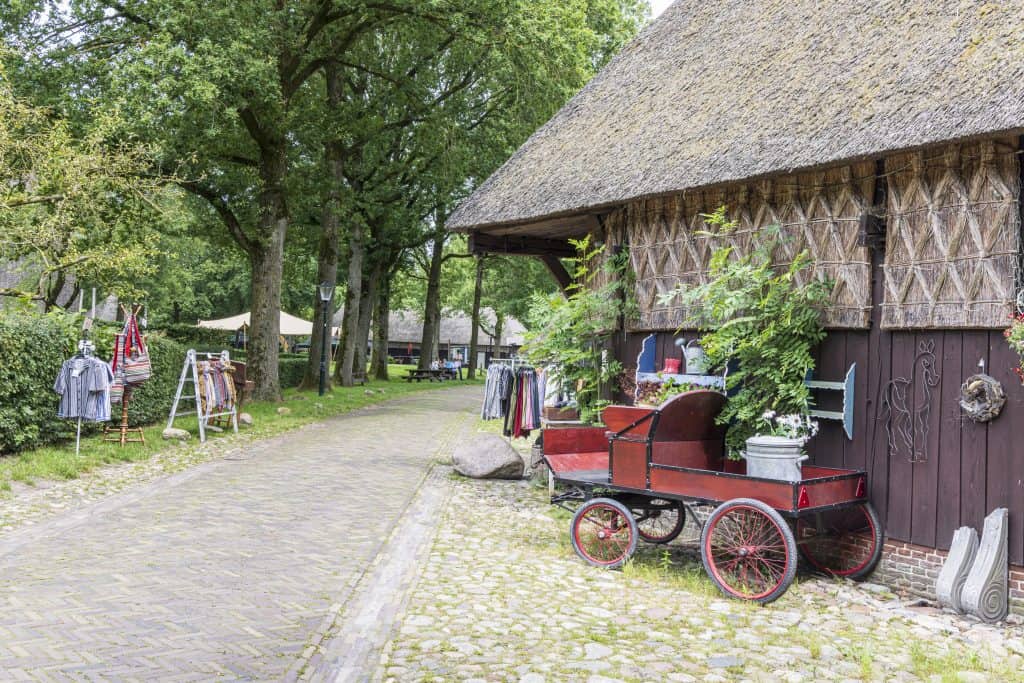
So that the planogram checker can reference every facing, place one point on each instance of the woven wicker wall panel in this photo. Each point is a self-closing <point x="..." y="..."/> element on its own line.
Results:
<point x="820" y="212"/>
<point x="953" y="237"/>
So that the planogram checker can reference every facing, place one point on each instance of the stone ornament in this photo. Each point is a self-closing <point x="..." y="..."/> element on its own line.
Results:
<point x="986" y="589"/>
<point x="982" y="397"/>
<point x="950" y="583"/>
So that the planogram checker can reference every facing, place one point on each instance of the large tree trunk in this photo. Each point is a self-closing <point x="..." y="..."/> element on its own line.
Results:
<point x="267" y="260"/>
<point x="432" y="309"/>
<point x="326" y="269"/>
<point x="353" y="295"/>
<point x="381" y="331"/>
<point x="370" y="287"/>
<point x="499" y="324"/>
<point x="474" y="335"/>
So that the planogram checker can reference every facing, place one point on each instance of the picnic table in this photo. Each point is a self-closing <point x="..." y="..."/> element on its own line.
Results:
<point x="435" y="375"/>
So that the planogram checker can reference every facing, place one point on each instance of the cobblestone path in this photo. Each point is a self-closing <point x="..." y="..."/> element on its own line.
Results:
<point x="235" y="569"/>
<point x="502" y="597"/>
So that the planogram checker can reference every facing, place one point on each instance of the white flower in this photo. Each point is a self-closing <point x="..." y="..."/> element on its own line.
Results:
<point x="768" y="415"/>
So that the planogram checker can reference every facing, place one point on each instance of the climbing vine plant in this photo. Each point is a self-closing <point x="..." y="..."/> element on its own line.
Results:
<point x="760" y="320"/>
<point x="1015" y="338"/>
<point x="573" y="331"/>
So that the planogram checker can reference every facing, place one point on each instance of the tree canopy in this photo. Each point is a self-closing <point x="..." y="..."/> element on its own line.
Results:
<point x="303" y="139"/>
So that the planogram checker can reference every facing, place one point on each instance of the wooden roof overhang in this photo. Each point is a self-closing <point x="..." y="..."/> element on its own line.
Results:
<point x="547" y="240"/>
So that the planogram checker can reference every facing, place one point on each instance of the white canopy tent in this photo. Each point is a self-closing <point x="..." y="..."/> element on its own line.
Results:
<point x="290" y="325"/>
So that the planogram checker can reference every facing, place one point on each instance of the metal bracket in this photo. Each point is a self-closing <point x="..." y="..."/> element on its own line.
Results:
<point x="847" y="387"/>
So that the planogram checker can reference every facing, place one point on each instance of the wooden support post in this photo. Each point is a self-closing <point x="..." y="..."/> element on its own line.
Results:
<point x="120" y="432"/>
<point x="558" y="271"/>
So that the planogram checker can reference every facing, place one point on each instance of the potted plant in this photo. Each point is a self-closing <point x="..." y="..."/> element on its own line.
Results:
<point x="777" y="450"/>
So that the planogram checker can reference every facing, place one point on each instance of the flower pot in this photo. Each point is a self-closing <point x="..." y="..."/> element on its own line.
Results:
<point x="774" y="457"/>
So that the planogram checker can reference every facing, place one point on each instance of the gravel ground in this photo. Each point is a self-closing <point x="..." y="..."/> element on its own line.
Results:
<point x="503" y="598"/>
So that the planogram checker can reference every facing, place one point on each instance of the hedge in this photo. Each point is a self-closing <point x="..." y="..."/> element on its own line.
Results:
<point x="34" y="347"/>
<point x="198" y="338"/>
<point x="291" y="368"/>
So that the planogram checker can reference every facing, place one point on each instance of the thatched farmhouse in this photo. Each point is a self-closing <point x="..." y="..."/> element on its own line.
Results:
<point x="405" y="333"/>
<point x="885" y="138"/>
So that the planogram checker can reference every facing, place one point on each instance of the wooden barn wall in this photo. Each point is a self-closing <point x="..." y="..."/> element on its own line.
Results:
<point x="968" y="469"/>
<point x="942" y="283"/>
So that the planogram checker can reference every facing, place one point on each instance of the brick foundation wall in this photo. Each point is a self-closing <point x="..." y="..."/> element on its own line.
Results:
<point x="912" y="569"/>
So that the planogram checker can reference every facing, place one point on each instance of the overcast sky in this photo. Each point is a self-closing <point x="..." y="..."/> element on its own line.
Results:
<point x="658" y="6"/>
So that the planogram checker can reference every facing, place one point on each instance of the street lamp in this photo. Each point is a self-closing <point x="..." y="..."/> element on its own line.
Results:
<point x="326" y="292"/>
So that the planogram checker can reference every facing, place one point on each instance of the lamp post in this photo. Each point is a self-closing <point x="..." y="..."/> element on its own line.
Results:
<point x="326" y="292"/>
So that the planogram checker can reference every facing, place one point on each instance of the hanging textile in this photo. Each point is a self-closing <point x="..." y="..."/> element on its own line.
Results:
<point x="497" y="392"/>
<point x="523" y="414"/>
<point x="83" y="384"/>
<point x="216" y="386"/>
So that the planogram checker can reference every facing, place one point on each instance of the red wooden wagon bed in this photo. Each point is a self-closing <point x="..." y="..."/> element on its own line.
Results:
<point x="637" y="476"/>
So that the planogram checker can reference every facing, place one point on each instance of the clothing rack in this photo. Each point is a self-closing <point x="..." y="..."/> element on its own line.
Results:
<point x="120" y="433"/>
<point x="204" y="416"/>
<point x="86" y="349"/>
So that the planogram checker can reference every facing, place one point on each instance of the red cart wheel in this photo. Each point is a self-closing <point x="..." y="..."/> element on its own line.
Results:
<point x="844" y="542"/>
<point x="748" y="550"/>
<point x="604" y="533"/>
<point x="659" y="520"/>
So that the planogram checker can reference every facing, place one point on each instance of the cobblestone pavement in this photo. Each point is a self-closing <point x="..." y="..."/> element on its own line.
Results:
<point x="233" y="569"/>
<point x="502" y="597"/>
<point x="28" y="504"/>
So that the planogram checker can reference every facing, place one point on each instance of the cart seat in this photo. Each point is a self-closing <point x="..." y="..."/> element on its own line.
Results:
<point x="681" y="432"/>
<point x="577" y="453"/>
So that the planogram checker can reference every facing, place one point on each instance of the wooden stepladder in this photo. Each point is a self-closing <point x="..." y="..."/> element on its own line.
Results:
<point x="191" y="366"/>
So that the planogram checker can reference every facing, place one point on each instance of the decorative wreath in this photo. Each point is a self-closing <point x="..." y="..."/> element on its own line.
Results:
<point x="982" y="398"/>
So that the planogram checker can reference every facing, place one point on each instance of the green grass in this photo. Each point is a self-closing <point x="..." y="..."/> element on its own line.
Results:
<point x="58" y="461"/>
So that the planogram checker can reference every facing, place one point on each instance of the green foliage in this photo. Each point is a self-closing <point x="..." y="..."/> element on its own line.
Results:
<point x="1015" y="338"/>
<point x="199" y="338"/>
<point x="291" y="367"/>
<point x="72" y="207"/>
<point x="34" y="347"/>
<point x="152" y="401"/>
<point x="670" y="388"/>
<point x="760" y="318"/>
<point x="573" y="331"/>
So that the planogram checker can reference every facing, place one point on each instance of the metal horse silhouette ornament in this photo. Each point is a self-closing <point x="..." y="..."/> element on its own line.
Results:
<point x="908" y="405"/>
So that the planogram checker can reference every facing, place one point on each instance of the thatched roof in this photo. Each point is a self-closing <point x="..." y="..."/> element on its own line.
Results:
<point x="716" y="92"/>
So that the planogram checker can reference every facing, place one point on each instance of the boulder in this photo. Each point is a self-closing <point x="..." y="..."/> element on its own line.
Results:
<point x="488" y="456"/>
<point x="215" y="429"/>
<point x="245" y="419"/>
<point x="175" y="434"/>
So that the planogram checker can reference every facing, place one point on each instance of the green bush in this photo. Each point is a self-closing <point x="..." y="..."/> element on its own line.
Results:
<point x="290" y="368"/>
<point x="34" y="347"/>
<point x="199" y="338"/>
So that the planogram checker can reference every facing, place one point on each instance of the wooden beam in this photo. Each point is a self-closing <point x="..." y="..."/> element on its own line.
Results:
<point x="558" y="271"/>
<point x="578" y="225"/>
<point x="482" y="243"/>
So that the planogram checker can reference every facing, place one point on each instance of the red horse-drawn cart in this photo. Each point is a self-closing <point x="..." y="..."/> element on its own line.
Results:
<point x="639" y="475"/>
